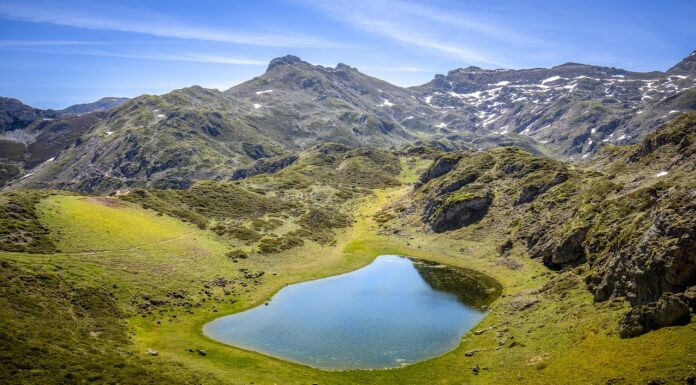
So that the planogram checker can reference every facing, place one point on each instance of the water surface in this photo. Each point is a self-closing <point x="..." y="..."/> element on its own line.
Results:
<point x="390" y="313"/>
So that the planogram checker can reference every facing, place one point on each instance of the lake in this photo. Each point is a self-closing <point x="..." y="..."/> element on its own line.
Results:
<point x="392" y="312"/>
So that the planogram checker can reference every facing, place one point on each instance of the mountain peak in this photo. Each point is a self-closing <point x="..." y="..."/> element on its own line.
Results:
<point x="686" y="66"/>
<point x="344" y="67"/>
<point x="287" y="59"/>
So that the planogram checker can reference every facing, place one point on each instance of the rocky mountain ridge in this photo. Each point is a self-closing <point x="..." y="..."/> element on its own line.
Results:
<point x="172" y="140"/>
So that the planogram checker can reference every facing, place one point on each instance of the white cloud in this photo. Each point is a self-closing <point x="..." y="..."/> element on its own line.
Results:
<point x="36" y="43"/>
<point x="148" y="23"/>
<point x="414" y="25"/>
<point x="170" y="56"/>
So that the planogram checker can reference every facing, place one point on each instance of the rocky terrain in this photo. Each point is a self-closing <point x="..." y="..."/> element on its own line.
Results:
<point x="30" y="136"/>
<point x="123" y="231"/>
<point x="568" y="112"/>
<point x="627" y="222"/>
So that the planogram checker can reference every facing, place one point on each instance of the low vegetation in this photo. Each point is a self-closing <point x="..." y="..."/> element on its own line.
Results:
<point x="117" y="289"/>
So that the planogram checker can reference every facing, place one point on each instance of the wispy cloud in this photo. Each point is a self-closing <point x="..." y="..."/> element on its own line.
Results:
<point x="38" y="43"/>
<point x="149" y="23"/>
<point x="195" y="57"/>
<point x="417" y="25"/>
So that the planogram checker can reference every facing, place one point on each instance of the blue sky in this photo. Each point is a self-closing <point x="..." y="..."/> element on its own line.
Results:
<point x="58" y="53"/>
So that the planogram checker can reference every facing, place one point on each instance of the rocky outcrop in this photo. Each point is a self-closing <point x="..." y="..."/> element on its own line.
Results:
<point x="458" y="209"/>
<point x="661" y="258"/>
<point x="679" y="136"/>
<point x="531" y="191"/>
<point x="15" y="115"/>
<point x="555" y="251"/>
<point x="265" y="166"/>
<point x="442" y="166"/>
<point x="667" y="311"/>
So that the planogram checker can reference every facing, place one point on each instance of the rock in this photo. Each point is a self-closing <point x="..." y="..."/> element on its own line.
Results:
<point x="505" y="246"/>
<point x="691" y="379"/>
<point x="479" y="332"/>
<point x="667" y="311"/>
<point x="152" y="352"/>
<point x="457" y="210"/>
<point x="202" y="352"/>
<point x="470" y="353"/>
<point x="264" y="166"/>
<point x="689" y="297"/>
<point x="503" y="341"/>
<point x="475" y="369"/>
<point x="441" y="167"/>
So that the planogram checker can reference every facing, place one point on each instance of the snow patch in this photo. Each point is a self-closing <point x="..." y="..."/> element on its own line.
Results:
<point x="109" y="133"/>
<point x="501" y="84"/>
<point x="51" y="159"/>
<point x="161" y="116"/>
<point x="263" y="92"/>
<point x="661" y="173"/>
<point x="441" y="125"/>
<point x="673" y="111"/>
<point x="386" y="103"/>
<point x="428" y="98"/>
<point x="551" y="79"/>
<point x="257" y="106"/>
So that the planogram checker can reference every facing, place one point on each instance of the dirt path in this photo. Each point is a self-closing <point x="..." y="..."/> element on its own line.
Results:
<point x="138" y="247"/>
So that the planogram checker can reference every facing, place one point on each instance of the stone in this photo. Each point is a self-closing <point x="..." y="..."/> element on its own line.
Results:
<point x="669" y="310"/>
<point x="152" y="352"/>
<point x="475" y="369"/>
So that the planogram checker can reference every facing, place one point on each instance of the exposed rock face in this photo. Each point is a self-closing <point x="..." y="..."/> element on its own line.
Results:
<point x="667" y="311"/>
<point x="16" y="115"/>
<point x="661" y="259"/>
<point x="265" y="166"/>
<point x="441" y="167"/>
<point x="557" y="251"/>
<point x="531" y="191"/>
<point x="454" y="212"/>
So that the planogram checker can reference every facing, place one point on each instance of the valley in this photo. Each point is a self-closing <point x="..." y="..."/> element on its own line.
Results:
<point x="118" y="288"/>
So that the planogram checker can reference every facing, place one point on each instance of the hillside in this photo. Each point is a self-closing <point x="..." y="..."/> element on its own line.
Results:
<point x="568" y="112"/>
<point x="30" y="136"/>
<point x="625" y="224"/>
<point x="596" y="260"/>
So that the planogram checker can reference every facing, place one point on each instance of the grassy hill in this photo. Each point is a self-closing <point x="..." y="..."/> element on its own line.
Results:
<point x="91" y="283"/>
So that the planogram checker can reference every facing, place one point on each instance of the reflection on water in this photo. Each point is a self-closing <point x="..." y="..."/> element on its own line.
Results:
<point x="471" y="287"/>
<point x="390" y="313"/>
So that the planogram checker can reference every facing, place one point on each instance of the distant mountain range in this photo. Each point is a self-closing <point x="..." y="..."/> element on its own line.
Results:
<point x="169" y="141"/>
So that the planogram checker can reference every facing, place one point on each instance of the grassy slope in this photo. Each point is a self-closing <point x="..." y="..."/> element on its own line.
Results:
<point x="566" y="338"/>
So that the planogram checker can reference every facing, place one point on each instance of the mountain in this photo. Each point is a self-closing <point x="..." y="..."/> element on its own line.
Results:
<point x="572" y="108"/>
<point x="170" y="141"/>
<point x="103" y="104"/>
<point x="30" y="136"/>
<point x="17" y="115"/>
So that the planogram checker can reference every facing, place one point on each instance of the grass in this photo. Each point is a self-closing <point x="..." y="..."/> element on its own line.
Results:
<point x="106" y="243"/>
<point x="150" y="278"/>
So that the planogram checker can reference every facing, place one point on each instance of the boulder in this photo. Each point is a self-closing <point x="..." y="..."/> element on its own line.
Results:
<point x="669" y="310"/>
<point x="457" y="210"/>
